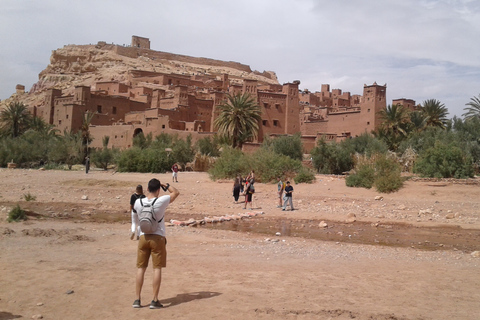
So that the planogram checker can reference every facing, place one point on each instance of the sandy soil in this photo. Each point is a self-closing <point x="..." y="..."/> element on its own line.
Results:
<point x="406" y="256"/>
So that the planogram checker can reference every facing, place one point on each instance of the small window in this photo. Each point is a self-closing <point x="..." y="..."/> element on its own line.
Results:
<point x="163" y="126"/>
<point x="59" y="122"/>
<point x="264" y="122"/>
<point x="275" y="123"/>
<point x="99" y="109"/>
<point x="114" y="110"/>
<point x="368" y="110"/>
<point x="368" y="123"/>
<point x="66" y="116"/>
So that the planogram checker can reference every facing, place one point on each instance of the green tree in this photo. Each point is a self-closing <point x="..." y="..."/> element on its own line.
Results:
<point x="238" y="118"/>
<point x="435" y="113"/>
<point x="68" y="150"/>
<point x="103" y="157"/>
<point x="394" y="125"/>
<point x="85" y="130"/>
<point x="290" y="146"/>
<point x="15" y="119"/>
<point x="473" y="110"/>
<point x="417" y="121"/>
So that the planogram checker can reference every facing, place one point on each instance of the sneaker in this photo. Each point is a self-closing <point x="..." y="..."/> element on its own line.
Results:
<point x="136" y="304"/>
<point x="283" y="209"/>
<point x="155" y="305"/>
<point x="132" y="235"/>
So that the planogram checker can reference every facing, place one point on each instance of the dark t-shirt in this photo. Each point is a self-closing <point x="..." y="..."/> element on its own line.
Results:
<point x="134" y="198"/>
<point x="288" y="190"/>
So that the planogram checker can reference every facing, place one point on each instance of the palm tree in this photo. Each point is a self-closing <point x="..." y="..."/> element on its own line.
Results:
<point x="395" y="119"/>
<point x="473" y="111"/>
<point x="238" y="118"/>
<point x="417" y="121"/>
<point x="15" y="119"/>
<point x="435" y="113"/>
<point x="86" y="137"/>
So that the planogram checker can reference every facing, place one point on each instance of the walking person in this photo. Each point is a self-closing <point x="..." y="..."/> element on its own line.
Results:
<point x="87" y="164"/>
<point x="137" y="195"/>
<point x="249" y="191"/>
<point x="237" y="186"/>
<point x="280" y="189"/>
<point x="175" y="172"/>
<point x="153" y="244"/>
<point x="288" y="196"/>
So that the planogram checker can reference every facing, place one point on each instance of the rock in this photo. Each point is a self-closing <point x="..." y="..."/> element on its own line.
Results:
<point x="323" y="224"/>
<point x="402" y="207"/>
<point x="450" y="216"/>
<point x="40" y="304"/>
<point x="475" y="254"/>
<point x="84" y="197"/>
<point x="426" y="211"/>
<point x="278" y="234"/>
<point x="37" y="316"/>
<point x="69" y="292"/>
<point x="379" y="198"/>
<point x="351" y="217"/>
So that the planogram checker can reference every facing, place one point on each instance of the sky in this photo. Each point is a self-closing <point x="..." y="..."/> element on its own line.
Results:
<point x="422" y="49"/>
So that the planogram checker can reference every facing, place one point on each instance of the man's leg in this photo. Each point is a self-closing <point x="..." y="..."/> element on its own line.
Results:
<point x="291" y="203"/>
<point x="139" y="281"/>
<point x="157" y="281"/>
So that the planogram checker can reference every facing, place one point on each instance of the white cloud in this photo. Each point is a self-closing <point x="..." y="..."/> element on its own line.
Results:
<point x="421" y="49"/>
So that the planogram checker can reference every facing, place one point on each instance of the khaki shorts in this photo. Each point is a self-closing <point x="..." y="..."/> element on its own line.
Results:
<point x="154" y="245"/>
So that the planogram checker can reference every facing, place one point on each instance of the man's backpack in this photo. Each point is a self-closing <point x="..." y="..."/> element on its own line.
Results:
<point x="146" y="218"/>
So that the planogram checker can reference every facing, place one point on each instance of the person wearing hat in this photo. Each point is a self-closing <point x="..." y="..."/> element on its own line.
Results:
<point x="137" y="195"/>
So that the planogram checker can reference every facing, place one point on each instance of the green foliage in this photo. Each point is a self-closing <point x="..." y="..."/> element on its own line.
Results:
<point x="208" y="146"/>
<point x="68" y="149"/>
<point x="444" y="161"/>
<point x="16" y="214"/>
<point x="473" y="109"/>
<point x="388" y="175"/>
<point x="435" y="113"/>
<point x="144" y="160"/>
<point x="238" y="118"/>
<point x="231" y="163"/>
<point x="29" y="197"/>
<point x="332" y="158"/>
<point x="290" y="146"/>
<point x="304" y="175"/>
<point x="182" y="151"/>
<point x="363" y="177"/>
<point x="378" y="170"/>
<point x="14" y="119"/>
<point x="269" y="165"/>
<point x="141" y="141"/>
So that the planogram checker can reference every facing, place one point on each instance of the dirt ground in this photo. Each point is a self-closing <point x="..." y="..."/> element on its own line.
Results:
<point x="343" y="253"/>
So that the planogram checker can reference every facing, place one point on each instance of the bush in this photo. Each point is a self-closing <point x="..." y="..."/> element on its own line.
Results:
<point x="363" y="177"/>
<point x="444" y="161"/>
<point x="388" y="175"/>
<point x="304" y="175"/>
<point x="269" y="165"/>
<point x="380" y="171"/>
<point x="290" y="146"/>
<point x="29" y="197"/>
<point x="332" y="158"/>
<point x="16" y="214"/>
<point x="231" y="163"/>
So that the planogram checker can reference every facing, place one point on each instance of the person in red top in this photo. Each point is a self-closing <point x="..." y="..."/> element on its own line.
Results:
<point x="174" y="172"/>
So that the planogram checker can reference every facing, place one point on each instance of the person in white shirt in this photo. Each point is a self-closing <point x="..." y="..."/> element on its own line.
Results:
<point x="153" y="244"/>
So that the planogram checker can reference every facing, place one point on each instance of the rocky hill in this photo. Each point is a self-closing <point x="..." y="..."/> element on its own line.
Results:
<point x="75" y="65"/>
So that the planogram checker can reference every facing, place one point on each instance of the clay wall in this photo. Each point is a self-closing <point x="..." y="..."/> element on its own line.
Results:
<point x="112" y="88"/>
<point x="409" y="104"/>
<point x="140" y="42"/>
<point x="273" y="107"/>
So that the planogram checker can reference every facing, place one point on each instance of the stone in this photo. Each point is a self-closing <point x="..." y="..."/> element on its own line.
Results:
<point x="379" y="198"/>
<point x="475" y="254"/>
<point x="402" y="207"/>
<point x="84" y="197"/>
<point x="323" y="224"/>
<point x="278" y="234"/>
<point x="37" y="316"/>
<point x="69" y="292"/>
<point x="450" y="216"/>
<point x="351" y="217"/>
<point x="426" y="211"/>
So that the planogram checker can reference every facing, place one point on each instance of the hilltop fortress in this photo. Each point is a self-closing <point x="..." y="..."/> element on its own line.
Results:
<point x="144" y="91"/>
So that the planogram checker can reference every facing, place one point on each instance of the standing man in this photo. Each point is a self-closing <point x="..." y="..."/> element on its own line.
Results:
<point x="153" y="244"/>
<point x="87" y="164"/>
<point x="288" y="196"/>
<point x="174" y="172"/>
<point x="281" y="188"/>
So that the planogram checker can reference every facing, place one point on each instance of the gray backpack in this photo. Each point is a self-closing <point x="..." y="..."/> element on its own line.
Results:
<point x="146" y="218"/>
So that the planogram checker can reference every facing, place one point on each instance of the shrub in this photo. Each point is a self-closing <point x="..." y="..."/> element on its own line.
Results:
<point x="332" y="158"/>
<point x="378" y="170"/>
<point x="304" y="175"/>
<point x="444" y="161"/>
<point x="29" y="197"/>
<point x="388" y="175"/>
<point x="269" y="165"/>
<point x="16" y="214"/>
<point x="290" y="146"/>
<point x="363" y="177"/>
<point x="231" y="163"/>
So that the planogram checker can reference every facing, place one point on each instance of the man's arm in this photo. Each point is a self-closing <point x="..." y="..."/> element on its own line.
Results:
<point x="173" y="192"/>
